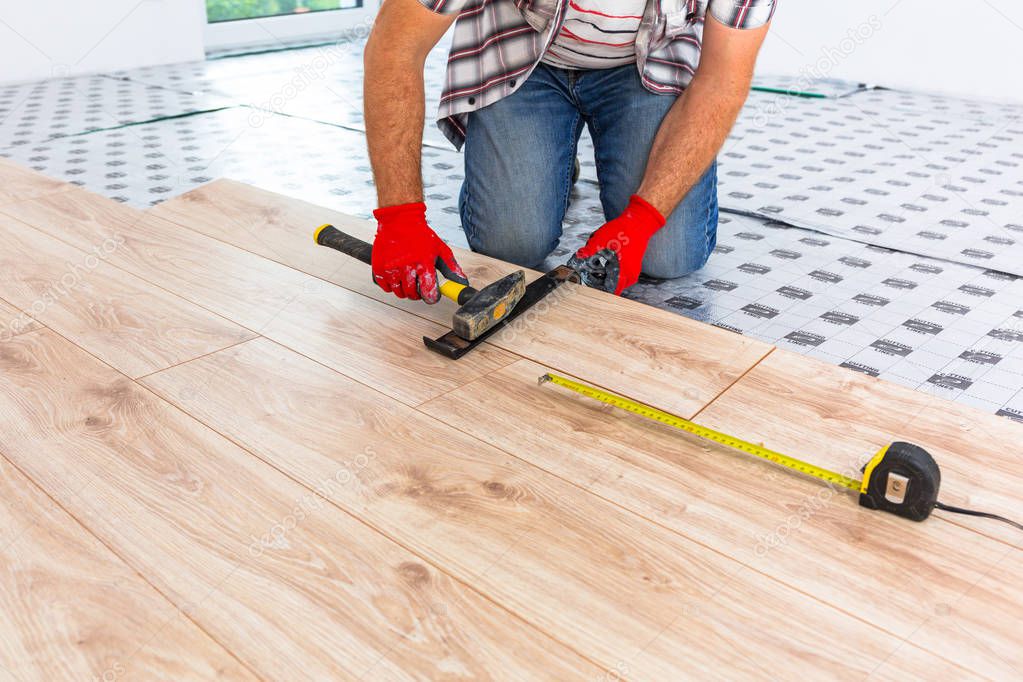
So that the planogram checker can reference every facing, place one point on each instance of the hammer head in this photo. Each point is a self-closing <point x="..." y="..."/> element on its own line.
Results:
<point x="488" y="307"/>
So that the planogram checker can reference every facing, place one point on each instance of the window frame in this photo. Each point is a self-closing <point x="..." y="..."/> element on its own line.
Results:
<point x="286" y="30"/>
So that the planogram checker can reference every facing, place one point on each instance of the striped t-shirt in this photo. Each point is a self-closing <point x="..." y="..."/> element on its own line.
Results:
<point x="597" y="34"/>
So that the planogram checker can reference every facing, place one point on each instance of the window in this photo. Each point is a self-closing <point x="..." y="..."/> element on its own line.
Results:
<point x="241" y="24"/>
<point x="234" y="10"/>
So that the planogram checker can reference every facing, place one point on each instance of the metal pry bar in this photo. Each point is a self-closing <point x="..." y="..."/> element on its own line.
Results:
<point x="454" y="347"/>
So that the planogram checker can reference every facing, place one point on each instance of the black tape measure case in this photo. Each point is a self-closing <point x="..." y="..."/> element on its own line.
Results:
<point x="902" y="479"/>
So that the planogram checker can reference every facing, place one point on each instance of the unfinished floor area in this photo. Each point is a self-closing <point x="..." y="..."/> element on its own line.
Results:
<point x="226" y="454"/>
<point x="872" y="229"/>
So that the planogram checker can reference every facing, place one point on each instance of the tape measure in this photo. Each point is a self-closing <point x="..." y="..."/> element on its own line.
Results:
<point x="902" y="478"/>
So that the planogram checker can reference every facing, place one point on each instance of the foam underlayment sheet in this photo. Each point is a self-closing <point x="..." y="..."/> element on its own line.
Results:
<point x="145" y="164"/>
<point x="31" y="112"/>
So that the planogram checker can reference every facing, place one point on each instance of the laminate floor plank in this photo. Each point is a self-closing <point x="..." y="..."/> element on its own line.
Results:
<point x="18" y="183"/>
<point x="808" y="536"/>
<point x="679" y="364"/>
<point x="635" y="597"/>
<point x="292" y="586"/>
<point x="71" y="610"/>
<point x="230" y="282"/>
<point x="118" y="317"/>
<point x="345" y="329"/>
<point x="838" y="418"/>
<point x="14" y="321"/>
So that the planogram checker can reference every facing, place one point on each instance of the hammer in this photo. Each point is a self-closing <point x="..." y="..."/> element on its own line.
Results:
<point x="480" y="309"/>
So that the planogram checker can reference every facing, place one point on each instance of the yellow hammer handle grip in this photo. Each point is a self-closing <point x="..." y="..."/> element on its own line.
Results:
<point x="452" y="290"/>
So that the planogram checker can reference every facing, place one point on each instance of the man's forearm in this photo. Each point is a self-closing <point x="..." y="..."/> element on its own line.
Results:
<point x="690" y="138"/>
<point x="395" y="110"/>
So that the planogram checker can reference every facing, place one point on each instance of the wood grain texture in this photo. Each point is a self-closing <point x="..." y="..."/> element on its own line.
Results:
<point x="363" y="338"/>
<point x="620" y="590"/>
<point x="992" y="603"/>
<point x="71" y="610"/>
<point x="660" y="357"/>
<point x="810" y="537"/>
<point x="14" y="321"/>
<point x="293" y="587"/>
<point x="18" y="183"/>
<point x="838" y="418"/>
<point x="118" y="317"/>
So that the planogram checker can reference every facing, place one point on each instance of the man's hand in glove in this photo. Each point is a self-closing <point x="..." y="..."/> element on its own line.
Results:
<point x="628" y="236"/>
<point x="407" y="254"/>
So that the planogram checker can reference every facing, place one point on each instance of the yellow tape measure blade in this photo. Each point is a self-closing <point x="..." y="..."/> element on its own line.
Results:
<point x="683" y="424"/>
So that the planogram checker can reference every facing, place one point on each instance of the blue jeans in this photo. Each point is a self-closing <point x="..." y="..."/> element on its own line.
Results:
<point x="520" y="155"/>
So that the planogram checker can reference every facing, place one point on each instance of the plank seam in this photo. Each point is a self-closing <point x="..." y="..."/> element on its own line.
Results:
<point x="12" y="202"/>
<point x="127" y="564"/>
<point x="200" y="357"/>
<point x="113" y="264"/>
<point x="257" y="333"/>
<point x="726" y="389"/>
<point x="171" y="219"/>
<point x="4" y="302"/>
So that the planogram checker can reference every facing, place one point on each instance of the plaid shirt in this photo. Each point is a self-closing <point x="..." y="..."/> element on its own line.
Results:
<point x="498" y="43"/>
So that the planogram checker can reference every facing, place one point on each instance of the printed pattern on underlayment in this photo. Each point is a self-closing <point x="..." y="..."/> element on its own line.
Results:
<point x="146" y="164"/>
<point x="945" y="107"/>
<point x="952" y="330"/>
<point x="947" y="329"/>
<point x="879" y="168"/>
<point x="32" y="112"/>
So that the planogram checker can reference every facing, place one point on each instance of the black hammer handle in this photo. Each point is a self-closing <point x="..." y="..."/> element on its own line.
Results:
<point x="330" y="236"/>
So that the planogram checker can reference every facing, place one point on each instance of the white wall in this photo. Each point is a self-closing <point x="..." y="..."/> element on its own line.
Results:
<point x="45" y="38"/>
<point x="971" y="48"/>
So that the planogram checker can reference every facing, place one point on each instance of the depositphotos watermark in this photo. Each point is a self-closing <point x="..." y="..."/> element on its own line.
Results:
<point x="55" y="291"/>
<point x="830" y="58"/>
<point x="615" y="674"/>
<point x="111" y="673"/>
<point x="276" y="535"/>
<point x="312" y="71"/>
<point x="806" y="511"/>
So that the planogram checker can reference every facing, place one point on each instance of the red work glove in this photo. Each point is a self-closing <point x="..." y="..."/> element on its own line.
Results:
<point x="628" y="236"/>
<point x="407" y="254"/>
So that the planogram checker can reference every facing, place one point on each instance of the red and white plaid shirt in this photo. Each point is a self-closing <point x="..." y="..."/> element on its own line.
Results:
<point x="498" y="43"/>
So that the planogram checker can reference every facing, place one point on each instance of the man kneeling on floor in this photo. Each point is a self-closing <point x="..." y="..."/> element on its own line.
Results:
<point x="658" y="83"/>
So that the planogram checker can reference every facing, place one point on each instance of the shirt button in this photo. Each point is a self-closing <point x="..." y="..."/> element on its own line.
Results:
<point x="472" y="100"/>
